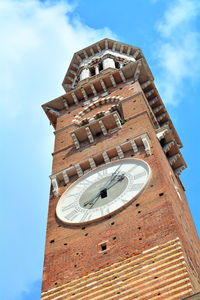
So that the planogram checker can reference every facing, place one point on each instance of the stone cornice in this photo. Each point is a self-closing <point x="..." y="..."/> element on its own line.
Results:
<point x="132" y="145"/>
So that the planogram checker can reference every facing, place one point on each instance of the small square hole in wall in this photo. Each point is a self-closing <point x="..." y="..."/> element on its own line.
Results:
<point x="103" y="247"/>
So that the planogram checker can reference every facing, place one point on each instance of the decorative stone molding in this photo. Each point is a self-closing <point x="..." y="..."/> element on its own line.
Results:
<point x="98" y="47"/>
<point x="103" y="85"/>
<point x="84" y="94"/>
<point x="134" y="146"/>
<point x="92" y="163"/>
<point x="110" y="53"/>
<point x="119" y="152"/>
<point x="171" y="149"/>
<point x="168" y="146"/>
<point x="162" y="132"/>
<point x="89" y="134"/>
<point x="78" y="57"/>
<point x="173" y="158"/>
<point x="146" y="84"/>
<point x="109" y="154"/>
<point x="161" y="116"/>
<point x="122" y="76"/>
<point x="136" y="53"/>
<point x="89" y="126"/>
<point x="102" y="101"/>
<point x="146" y="142"/>
<point x="137" y="71"/>
<point x="100" y="84"/>
<point x="154" y="100"/>
<point x="103" y="128"/>
<point x="65" y="177"/>
<point x="179" y="170"/>
<point x="54" y="183"/>
<point x="75" y="140"/>
<point x="53" y="111"/>
<point x="105" y="157"/>
<point x="93" y="89"/>
<point x="65" y="103"/>
<point x="117" y="119"/>
<point x="157" y="108"/>
<point x="75" y="98"/>
<point x="151" y="92"/>
<point x="85" y="53"/>
<point x="78" y="170"/>
<point x="113" y="80"/>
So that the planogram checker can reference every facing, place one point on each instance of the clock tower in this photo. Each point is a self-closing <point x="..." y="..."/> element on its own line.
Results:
<point x="119" y="226"/>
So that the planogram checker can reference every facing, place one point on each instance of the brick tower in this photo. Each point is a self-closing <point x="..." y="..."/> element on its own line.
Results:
<point x="119" y="226"/>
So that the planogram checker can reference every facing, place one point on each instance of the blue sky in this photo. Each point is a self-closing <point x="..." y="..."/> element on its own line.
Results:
<point x="38" y="39"/>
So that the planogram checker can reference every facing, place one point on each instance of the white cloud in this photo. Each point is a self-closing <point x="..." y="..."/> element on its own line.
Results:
<point x="37" y="41"/>
<point x="178" y="48"/>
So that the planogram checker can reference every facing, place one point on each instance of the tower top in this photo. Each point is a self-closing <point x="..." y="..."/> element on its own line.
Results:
<point x="99" y="69"/>
<point x="106" y="54"/>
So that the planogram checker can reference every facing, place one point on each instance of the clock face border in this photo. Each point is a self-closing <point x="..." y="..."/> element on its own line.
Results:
<point x="119" y="161"/>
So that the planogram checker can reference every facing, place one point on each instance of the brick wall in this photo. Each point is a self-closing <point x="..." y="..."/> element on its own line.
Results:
<point x="157" y="216"/>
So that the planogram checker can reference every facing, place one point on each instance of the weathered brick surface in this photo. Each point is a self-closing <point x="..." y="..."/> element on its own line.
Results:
<point x="159" y="273"/>
<point x="160" y="215"/>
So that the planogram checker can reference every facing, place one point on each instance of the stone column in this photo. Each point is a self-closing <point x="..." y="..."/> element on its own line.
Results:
<point x="55" y="185"/>
<point x="134" y="146"/>
<point x="146" y="144"/>
<point x="117" y="120"/>
<point x="75" y="140"/>
<point x="105" y="157"/>
<point x="85" y="73"/>
<point x="79" y="171"/>
<point x="103" y="128"/>
<point x="96" y="69"/>
<point x="120" y="152"/>
<point x="92" y="163"/>
<point x="89" y="134"/>
<point x="108" y="63"/>
<point x="65" y="177"/>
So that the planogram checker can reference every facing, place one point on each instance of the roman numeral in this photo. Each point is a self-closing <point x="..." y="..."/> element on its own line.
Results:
<point x="71" y="205"/>
<point x="71" y="215"/>
<point x="135" y="186"/>
<point x="103" y="173"/>
<point x="123" y="201"/>
<point x="86" y="182"/>
<point x="73" y="195"/>
<point x="104" y="211"/>
<point x="133" y="168"/>
<point x="86" y="217"/>
<point x="139" y="175"/>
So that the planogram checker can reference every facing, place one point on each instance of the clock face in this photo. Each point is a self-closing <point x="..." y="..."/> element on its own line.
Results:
<point x="103" y="191"/>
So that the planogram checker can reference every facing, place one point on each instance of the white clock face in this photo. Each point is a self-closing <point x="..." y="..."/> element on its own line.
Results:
<point x="103" y="191"/>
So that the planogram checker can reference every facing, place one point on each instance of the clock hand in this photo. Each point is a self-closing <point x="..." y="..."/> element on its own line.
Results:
<point x="119" y="179"/>
<point x="94" y="202"/>
<point x="91" y="200"/>
<point x="113" y="176"/>
<point x="108" y="186"/>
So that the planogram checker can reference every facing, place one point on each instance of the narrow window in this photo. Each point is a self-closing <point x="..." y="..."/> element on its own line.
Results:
<point x="117" y="65"/>
<point x="163" y="142"/>
<point x="92" y="71"/>
<point x="103" y="247"/>
<point x="100" y="67"/>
